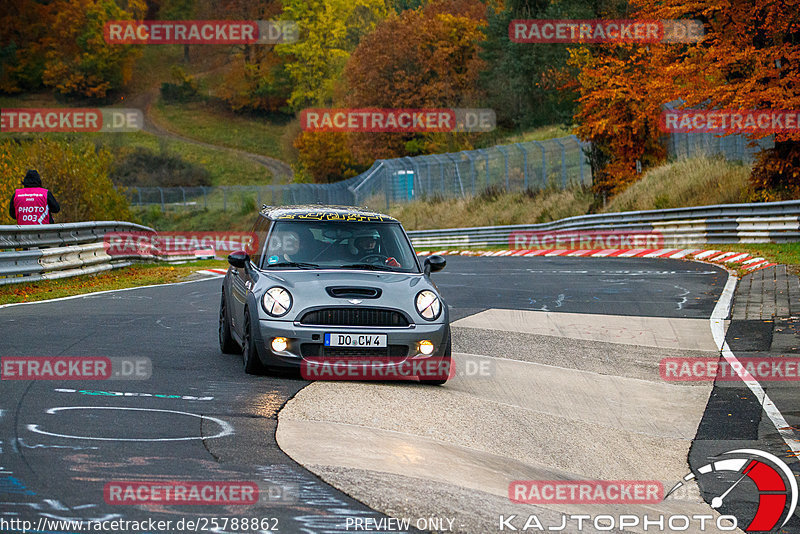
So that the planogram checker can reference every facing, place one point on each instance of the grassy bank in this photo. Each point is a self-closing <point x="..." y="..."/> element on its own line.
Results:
<point x="687" y="182"/>
<point x="134" y="276"/>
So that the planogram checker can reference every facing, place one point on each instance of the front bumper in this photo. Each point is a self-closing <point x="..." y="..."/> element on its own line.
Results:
<point x="306" y="341"/>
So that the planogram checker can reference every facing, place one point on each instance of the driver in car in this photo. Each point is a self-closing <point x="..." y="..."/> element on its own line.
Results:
<point x="366" y="245"/>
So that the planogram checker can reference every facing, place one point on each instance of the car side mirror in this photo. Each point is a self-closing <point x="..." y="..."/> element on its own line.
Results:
<point x="434" y="263"/>
<point x="239" y="259"/>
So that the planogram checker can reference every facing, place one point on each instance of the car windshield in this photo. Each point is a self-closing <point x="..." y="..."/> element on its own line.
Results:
<point x="339" y="245"/>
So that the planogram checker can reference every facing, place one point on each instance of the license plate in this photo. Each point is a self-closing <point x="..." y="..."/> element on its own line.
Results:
<point x="377" y="341"/>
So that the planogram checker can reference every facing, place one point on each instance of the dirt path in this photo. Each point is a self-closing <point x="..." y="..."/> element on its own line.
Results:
<point x="282" y="173"/>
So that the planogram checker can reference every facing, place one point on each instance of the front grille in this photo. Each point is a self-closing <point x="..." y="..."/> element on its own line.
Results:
<point x="354" y="317"/>
<point x="317" y="350"/>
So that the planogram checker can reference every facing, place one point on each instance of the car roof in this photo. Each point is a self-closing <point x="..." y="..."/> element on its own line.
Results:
<point x="324" y="213"/>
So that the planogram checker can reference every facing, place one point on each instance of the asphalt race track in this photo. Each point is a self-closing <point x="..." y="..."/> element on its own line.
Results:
<point x="199" y="417"/>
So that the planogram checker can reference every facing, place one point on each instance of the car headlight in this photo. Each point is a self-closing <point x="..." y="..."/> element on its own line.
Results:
<point x="428" y="305"/>
<point x="277" y="301"/>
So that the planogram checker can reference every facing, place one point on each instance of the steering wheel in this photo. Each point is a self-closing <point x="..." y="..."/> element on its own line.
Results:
<point x="374" y="258"/>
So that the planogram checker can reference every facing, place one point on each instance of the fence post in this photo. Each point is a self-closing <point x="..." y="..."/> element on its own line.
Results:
<point x="563" y="163"/>
<point x="488" y="176"/>
<point x="524" y="165"/>
<point x="162" y="199"/>
<point x="582" y="156"/>
<point x="205" y="199"/>
<point x="451" y="157"/>
<point x="502" y="150"/>
<point x="468" y="153"/>
<point x="183" y="193"/>
<point x="386" y="188"/>
<point x="139" y="190"/>
<point x="224" y="198"/>
<point x="441" y="169"/>
<point x="258" y="199"/>
<point x="544" y="163"/>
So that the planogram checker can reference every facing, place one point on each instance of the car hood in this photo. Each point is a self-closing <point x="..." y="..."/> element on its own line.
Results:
<point x="308" y="288"/>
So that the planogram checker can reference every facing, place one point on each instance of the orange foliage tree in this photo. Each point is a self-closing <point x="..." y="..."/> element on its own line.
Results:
<point x="749" y="59"/>
<point x="616" y="114"/>
<point x="423" y="58"/>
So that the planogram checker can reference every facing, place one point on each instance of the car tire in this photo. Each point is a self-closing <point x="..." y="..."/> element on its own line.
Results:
<point x="252" y="365"/>
<point x="447" y="357"/>
<point x="226" y="342"/>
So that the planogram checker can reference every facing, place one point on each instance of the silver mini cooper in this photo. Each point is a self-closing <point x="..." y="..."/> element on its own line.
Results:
<point x="331" y="283"/>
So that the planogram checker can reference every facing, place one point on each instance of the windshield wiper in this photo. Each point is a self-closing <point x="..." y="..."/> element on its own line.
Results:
<point x="366" y="266"/>
<point x="298" y="264"/>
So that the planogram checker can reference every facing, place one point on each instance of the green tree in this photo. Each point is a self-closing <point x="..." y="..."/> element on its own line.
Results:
<point x="532" y="84"/>
<point x="329" y="31"/>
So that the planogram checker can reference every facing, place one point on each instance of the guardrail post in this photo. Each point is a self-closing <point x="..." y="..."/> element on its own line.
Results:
<point x="525" y="165"/>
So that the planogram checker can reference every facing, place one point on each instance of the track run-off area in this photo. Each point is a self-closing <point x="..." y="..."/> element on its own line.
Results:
<point x="557" y="379"/>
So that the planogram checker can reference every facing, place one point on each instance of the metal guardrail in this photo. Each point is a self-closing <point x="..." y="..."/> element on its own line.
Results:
<point x="42" y="252"/>
<point x="61" y="250"/>
<point x="766" y="222"/>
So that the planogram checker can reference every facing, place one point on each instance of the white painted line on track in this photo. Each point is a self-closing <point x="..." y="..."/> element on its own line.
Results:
<point x="718" y="316"/>
<point x="82" y="295"/>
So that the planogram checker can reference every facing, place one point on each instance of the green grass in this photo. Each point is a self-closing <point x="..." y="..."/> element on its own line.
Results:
<point x="199" y="220"/>
<point x="224" y="167"/>
<point x="134" y="276"/>
<point x="199" y="120"/>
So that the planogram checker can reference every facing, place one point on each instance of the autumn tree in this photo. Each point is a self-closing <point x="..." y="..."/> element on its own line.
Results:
<point x="256" y="78"/>
<point x="423" y="58"/>
<point x="23" y="28"/>
<point x="750" y="59"/>
<point x="617" y="114"/>
<point x="329" y="31"/>
<point x="78" y="60"/>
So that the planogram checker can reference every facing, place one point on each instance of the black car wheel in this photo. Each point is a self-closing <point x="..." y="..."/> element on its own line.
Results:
<point x="252" y="365"/>
<point x="226" y="342"/>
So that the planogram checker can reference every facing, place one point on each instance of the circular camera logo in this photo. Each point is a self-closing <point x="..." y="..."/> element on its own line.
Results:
<point x="749" y="471"/>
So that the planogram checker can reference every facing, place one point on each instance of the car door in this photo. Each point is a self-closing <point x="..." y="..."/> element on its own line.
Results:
<point x="242" y="279"/>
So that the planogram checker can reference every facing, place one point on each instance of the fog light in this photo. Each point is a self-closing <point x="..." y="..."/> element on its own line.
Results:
<point x="279" y="344"/>
<point x="426" y="347"/>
